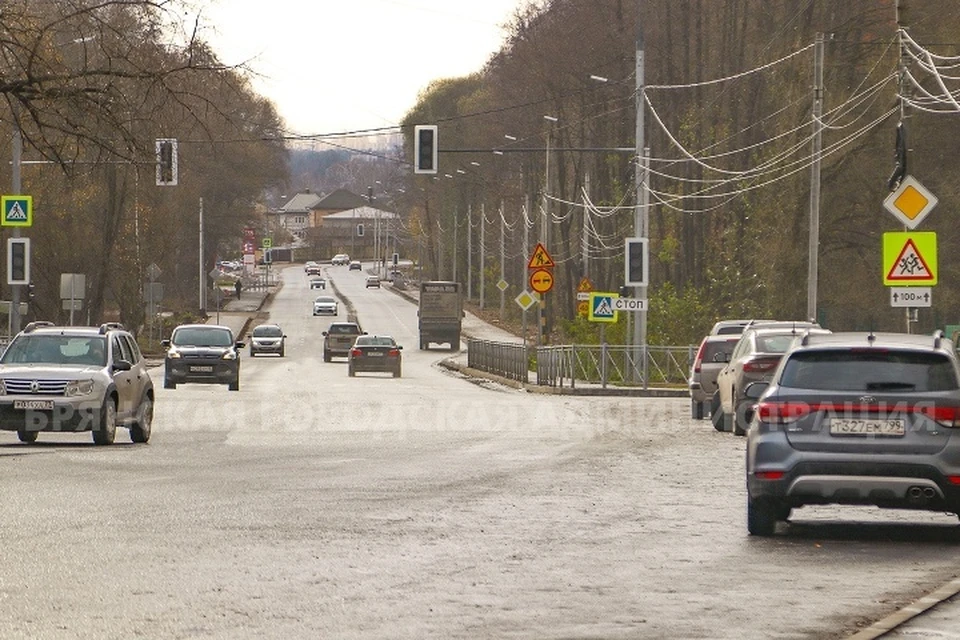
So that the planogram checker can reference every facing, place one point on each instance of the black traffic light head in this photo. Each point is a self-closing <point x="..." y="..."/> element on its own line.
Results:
<point x="636" y="262"/>
<point x="425" y="149"/>
<point x="360" y="230"/>
<point x="18" y="260"/>
<point x="30" y="292"/>
<point x="167" y="162"/>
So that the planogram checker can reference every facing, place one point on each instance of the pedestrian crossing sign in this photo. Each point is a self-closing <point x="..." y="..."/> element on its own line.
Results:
<point x="17" y="211"/>
<point x="910" y="258"/>
<point x="601" y="307"/>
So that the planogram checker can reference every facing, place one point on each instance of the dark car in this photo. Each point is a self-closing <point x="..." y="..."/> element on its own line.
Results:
<point x="374" y="353"/>
<point x="75" y="379"/>
<point x="267" y="338"/>
<point x="339" y="338"/>
<point x="856" y="419"/>
<point x="204" y="354"/>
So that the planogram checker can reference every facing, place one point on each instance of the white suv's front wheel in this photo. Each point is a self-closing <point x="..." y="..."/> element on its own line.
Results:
<point x="106" y="431"/>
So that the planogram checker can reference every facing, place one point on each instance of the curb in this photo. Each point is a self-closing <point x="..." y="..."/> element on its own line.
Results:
<point x="882" y="627"/>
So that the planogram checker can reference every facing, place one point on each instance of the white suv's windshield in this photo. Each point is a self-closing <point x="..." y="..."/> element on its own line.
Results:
<point x="201" y="337"/>
<point x="57" y="349"/>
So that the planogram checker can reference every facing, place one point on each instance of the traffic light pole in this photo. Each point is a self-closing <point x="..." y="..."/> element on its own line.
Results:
<point x="641" y="218"/>
<point x="17" y="187"/>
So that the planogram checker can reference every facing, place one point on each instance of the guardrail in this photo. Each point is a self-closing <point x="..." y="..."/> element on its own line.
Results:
<point x="570" y="365"/>
<point x="507" y="359"/>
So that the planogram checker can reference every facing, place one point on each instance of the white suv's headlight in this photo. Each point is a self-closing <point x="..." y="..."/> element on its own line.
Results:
<point x="79" y="388"/>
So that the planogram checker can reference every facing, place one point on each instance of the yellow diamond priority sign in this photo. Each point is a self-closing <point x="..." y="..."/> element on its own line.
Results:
<point x="910" y="202"/>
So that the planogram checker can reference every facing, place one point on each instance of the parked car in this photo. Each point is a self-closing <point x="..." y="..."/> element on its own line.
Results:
<point x="318" y="283"/>
<point x="754" y="358"/>
<point x="374" y="353"/>
<point x="75" y="379"/>
<point x="203" y="354"/>
<point x="339" y="338"/>
<point x="326" y="305"/>
<point x="267" y="338"/>
<point x="855" y="419"/>
<point x="373" y="282"/>
<point x="340" y="259"/>
<point x="712" y="356"/>
<point x="355" y="265"/>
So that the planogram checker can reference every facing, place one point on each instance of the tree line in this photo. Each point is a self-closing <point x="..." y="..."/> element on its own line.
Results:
<point x="538" y="136"/>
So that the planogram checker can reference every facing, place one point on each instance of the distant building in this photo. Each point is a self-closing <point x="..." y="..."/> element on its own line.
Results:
<point x="341" y="232"/>
<point x="296" y="214"/>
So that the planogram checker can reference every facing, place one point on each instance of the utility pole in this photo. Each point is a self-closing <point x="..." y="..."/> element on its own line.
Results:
<point x="203" y="274"/>
<point x="814" y="248"/>
<point x="470" y="251"/>
<point x="503" y="256"/>
<point x="17" y="187"/>
<point x="483" y="249"/>
<point x="584" y="226"/>
<point x="641" y="217"/>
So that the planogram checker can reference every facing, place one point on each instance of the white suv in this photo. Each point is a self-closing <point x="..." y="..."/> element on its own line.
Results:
<point x="340" y="259"/>
<point x="75" y="379"/>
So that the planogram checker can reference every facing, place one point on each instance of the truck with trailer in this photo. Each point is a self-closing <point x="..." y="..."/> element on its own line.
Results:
<point x="440" y="316"/>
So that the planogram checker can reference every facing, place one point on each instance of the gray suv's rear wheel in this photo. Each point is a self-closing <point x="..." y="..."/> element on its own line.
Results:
<point x="106" y="431"/>
<point x="761" y="517"/>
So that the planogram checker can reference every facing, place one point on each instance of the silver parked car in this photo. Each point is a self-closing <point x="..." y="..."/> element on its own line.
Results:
<point x="711" y="357"/>
<point x="859" y="419"/>
<point x="754" y="358"/>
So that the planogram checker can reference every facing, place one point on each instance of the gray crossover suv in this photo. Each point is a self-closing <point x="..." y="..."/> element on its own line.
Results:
<point x="75" y="379"/>
<point x="859" y="419"/>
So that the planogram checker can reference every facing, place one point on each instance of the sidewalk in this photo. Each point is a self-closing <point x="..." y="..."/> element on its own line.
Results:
<point x="240" y="314"/>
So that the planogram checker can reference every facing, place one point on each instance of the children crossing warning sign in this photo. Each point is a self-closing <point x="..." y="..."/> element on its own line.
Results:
<point x="910" y="258"/>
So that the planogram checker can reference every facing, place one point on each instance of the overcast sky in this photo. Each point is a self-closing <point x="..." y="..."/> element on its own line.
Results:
<point x="344" y="65"/>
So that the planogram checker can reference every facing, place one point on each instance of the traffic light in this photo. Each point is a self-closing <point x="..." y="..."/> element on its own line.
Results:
<point x="30" y="292"/>
<point x="360" y="230"/>
<point x="899" y="159"/>
<point x="425" y="149"/>
<point x="167" y="162"/>
<point x="18" y="261"/>
<point x="636" y="262"/>
<point x="396" y="259"/>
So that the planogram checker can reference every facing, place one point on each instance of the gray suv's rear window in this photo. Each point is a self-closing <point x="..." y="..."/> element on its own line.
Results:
<point x="869" y="370"/>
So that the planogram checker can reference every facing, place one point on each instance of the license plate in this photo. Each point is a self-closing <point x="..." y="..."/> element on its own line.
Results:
<point x="866" y="427"/>
<point x="33" y="405"/>
<point x="201" y="369"/>
<point x="375" y="354"/>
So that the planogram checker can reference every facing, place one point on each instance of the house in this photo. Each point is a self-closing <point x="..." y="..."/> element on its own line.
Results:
<point x="296" y="214"/>
<point x="359" y="232"/>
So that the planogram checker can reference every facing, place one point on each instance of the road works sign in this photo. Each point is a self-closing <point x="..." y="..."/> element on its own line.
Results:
<point x="540" y="258"/>
<point x="601" y="307"/>
<point x="910" y="202"/>
<point x="910" y="258"/>
<point x="17" y="211"/>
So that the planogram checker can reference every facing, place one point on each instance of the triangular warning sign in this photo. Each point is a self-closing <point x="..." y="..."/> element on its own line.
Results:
<point x="540" y="258"/>
<point x="910" y="266"/>
<point x="16" y="212"/>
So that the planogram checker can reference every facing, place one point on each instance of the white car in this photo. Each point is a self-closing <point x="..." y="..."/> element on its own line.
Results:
<point x="340" y="259"/>
<point x="326" y="305"/>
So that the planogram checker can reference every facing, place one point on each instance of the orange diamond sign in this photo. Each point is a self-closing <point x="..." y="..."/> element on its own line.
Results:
<point x="910" y="202"/>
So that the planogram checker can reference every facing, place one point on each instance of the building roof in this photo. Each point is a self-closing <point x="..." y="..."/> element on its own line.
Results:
<point x="301" y="203"/>
<point x="340" y="200"/>
<point x="362" y="213"/>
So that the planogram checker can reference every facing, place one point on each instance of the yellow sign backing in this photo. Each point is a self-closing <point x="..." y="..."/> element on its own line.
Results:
<point x="910" y="258"/>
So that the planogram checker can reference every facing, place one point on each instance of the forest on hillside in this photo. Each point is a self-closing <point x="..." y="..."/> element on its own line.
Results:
<point x="540" y="144"/>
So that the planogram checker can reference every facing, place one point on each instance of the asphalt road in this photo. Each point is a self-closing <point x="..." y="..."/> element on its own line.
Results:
<point x="313" y="505"/>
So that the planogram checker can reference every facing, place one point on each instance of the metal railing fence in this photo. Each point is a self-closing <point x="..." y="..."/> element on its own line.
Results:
<point x="570" y="365"/>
